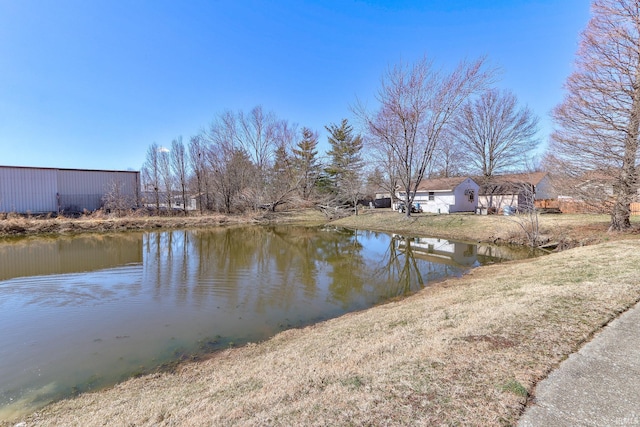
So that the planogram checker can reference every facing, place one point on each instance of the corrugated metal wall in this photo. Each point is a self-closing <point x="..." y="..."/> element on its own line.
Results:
<point x="82" y="189"/>
<point x="38" y="190"/>
<point x="25" y="190"/>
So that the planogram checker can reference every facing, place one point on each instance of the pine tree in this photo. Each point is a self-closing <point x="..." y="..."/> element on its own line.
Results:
<point x="345" y="162"/>
<point x="305" y="159"/>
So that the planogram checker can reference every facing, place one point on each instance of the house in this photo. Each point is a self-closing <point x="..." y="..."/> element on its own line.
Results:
<point x="446" y="195"/>
<point x="516" y="191"/>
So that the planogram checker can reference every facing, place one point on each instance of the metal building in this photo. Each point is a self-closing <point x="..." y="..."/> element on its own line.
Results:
<point x="41" y="190"/>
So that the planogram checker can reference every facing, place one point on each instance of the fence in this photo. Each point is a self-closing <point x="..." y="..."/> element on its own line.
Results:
<point x="570" y="207"/>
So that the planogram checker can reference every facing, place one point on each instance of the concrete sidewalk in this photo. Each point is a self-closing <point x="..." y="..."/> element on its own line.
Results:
<point x="597" y="386"/>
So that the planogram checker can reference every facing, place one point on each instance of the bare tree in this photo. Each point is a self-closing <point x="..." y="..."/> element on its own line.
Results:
<point x="231" y="168"/>
<point x="115" y="198"/>
<point x="166" y="175"/>
<point x="450" y="159"/>
<point x="526" y="216"/>
<point x="283" y="180"/>
<point x="495" y="133"/>
<point x="257" y="131"/>
<point x="598" y="122"/>
<point x="385" y="173"/>
<point x="197" y="160"/>
<point x="180" y="169"/>
<point x="416" y="104"/>
<point x="151" y="174"/>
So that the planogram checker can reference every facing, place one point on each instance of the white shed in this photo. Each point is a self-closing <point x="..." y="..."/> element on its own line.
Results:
<point x="446" y="195"/>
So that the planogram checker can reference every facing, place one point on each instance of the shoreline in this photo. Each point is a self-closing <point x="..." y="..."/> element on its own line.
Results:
<point x="559" y="232"/>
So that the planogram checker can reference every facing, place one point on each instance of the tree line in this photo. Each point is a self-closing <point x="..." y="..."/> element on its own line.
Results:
<point x="255" y="160"/>
<point x="428" y="122"/>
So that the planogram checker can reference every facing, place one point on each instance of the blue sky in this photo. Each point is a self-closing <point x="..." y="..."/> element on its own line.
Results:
<point x="92" y="83"/>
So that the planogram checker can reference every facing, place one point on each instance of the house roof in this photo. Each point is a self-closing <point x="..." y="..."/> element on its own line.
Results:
<point x="441" y="184"/>
<point x="510" y="183"/>
<point x="532" y="178"/>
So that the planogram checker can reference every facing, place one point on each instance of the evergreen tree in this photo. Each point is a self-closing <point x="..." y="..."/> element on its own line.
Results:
<point x="345" y="162"/>
<point x="305" y="159"/>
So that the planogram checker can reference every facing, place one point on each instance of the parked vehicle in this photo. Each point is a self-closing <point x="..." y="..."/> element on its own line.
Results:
<point x="415" y="208"/>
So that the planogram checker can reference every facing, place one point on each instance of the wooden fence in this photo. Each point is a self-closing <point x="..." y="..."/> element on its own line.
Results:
<point x="578" y="207"/>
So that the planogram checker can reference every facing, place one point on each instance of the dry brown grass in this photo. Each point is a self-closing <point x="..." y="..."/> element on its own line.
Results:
<point x="462" y="352"/>
<point x="16" y="225"/>
<point x="565" y="230"/>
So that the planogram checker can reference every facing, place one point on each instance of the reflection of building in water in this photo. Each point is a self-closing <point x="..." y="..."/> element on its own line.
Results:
<point x="30" y="257"/>
<point x="440" y="250"/>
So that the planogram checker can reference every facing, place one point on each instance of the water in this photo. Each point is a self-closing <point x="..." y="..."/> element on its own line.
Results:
<point x="79" y="313"/>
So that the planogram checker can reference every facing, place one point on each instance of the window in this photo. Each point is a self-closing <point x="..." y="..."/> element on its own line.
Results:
<point x="470" y="195"/>
<point x="431" y="195"/>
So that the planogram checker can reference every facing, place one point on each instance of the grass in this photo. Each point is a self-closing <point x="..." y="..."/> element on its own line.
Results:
<point x="465" y="351"/>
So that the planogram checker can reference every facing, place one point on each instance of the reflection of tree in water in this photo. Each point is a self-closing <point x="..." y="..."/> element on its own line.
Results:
<point x="409" y="264"/>
<point x="295" y="249"/>
<point x="400" y="268"/>
<point x="343" y="252"/>
<point x="261" y="266"/>
<point x="274" y="268"/>
<point x="297" y="254"/>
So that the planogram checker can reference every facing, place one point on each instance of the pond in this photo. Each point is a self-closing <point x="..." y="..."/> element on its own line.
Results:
<point x="83" y="312"/>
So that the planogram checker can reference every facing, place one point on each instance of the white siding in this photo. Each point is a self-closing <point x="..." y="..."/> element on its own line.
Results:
<point x="448" y="201"/>
<point x="440" y="204"/>
<point x="463" y="201"/>
<point x="24" y="190"/>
